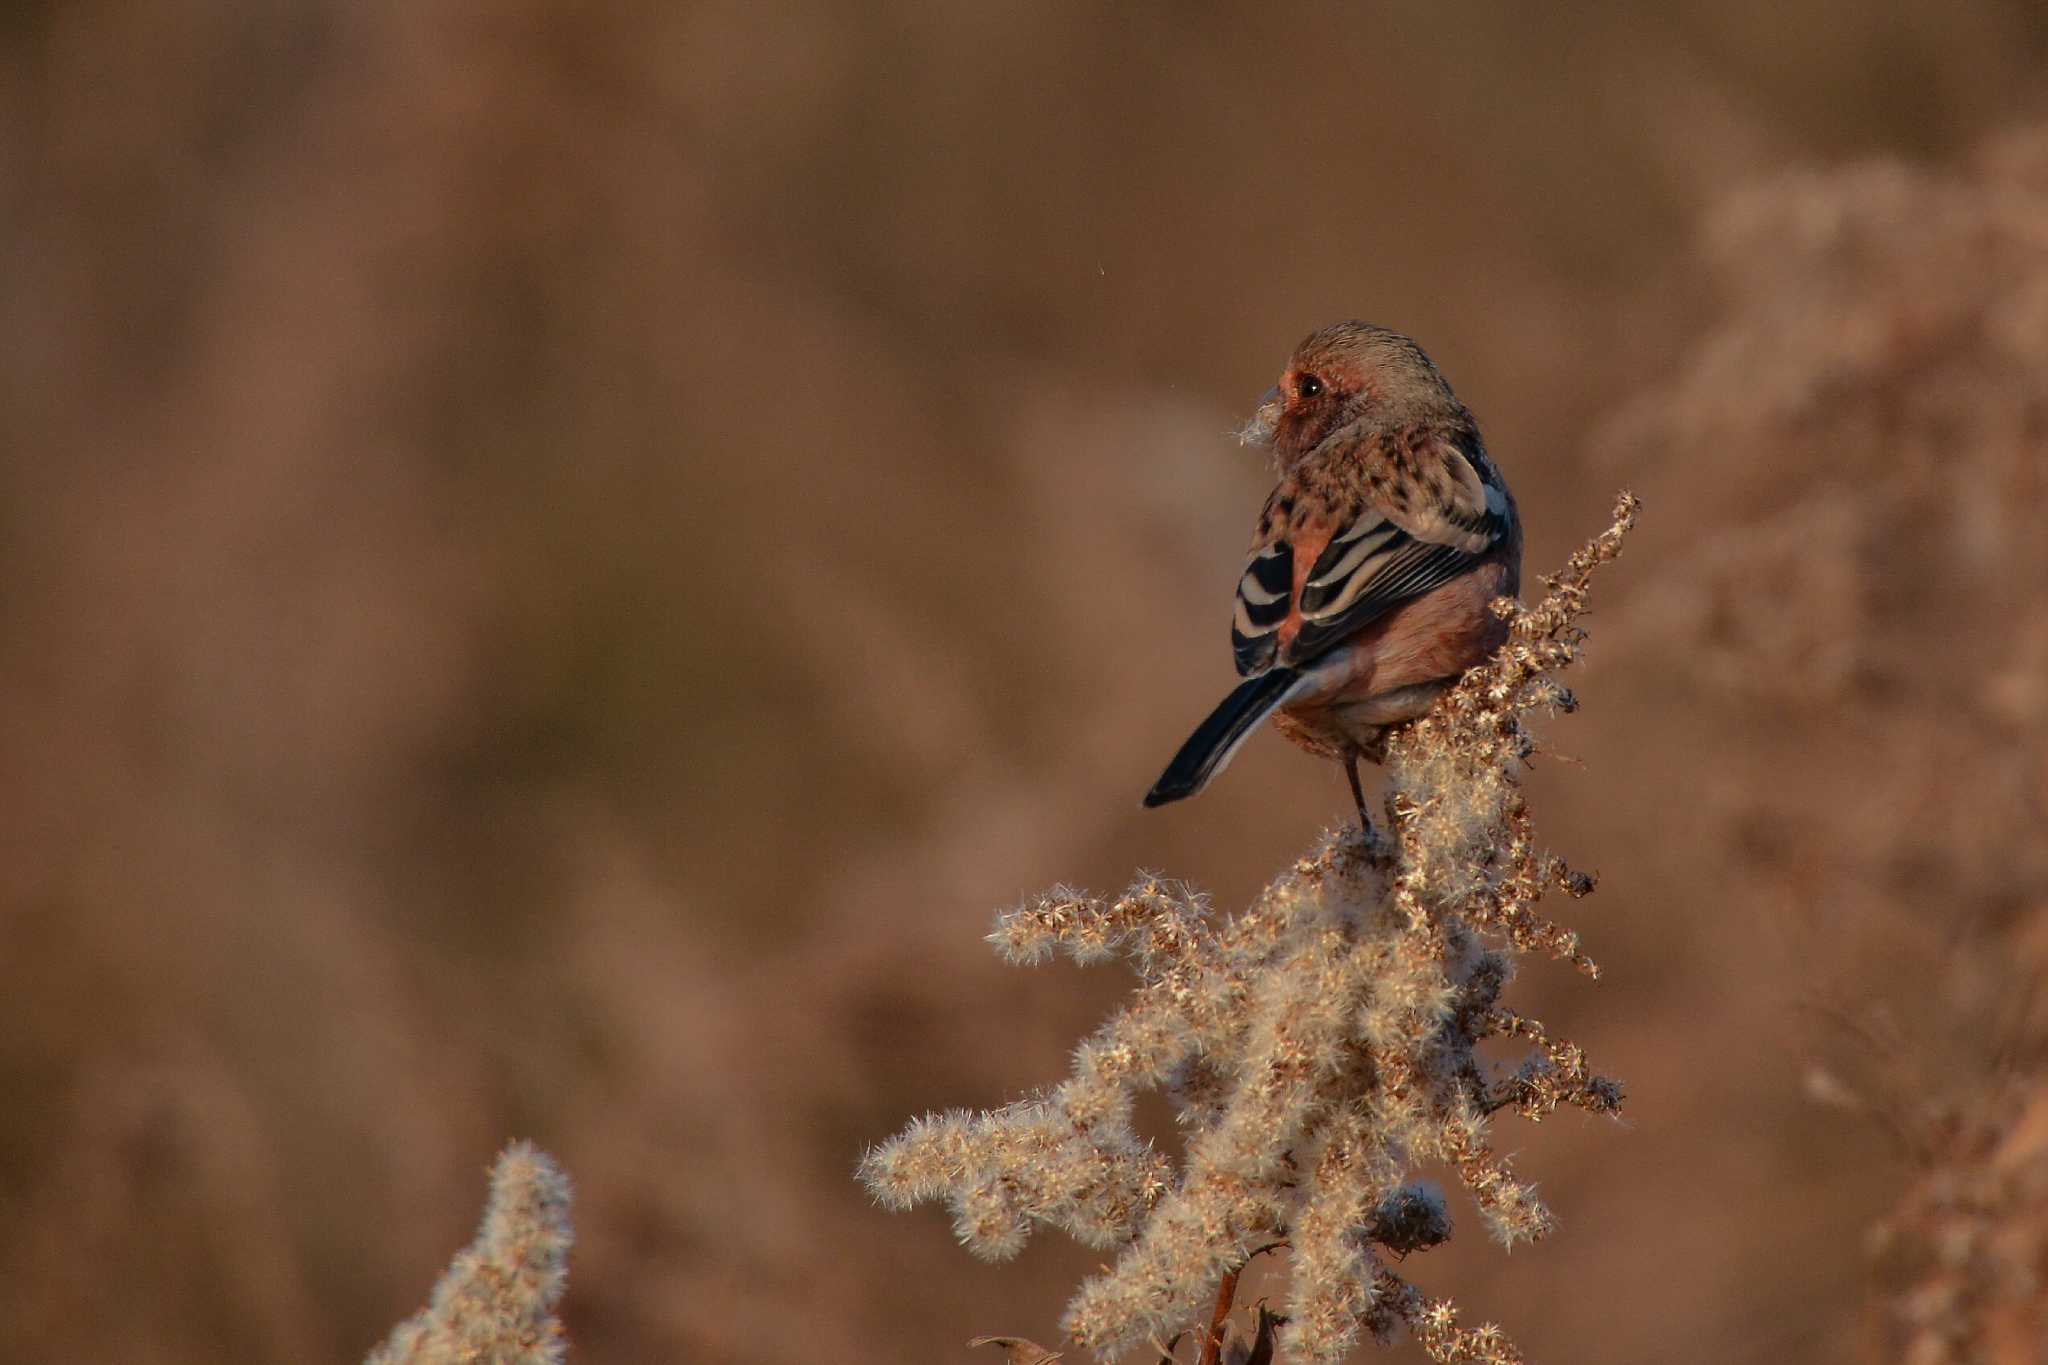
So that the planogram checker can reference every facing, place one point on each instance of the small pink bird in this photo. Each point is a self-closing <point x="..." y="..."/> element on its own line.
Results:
<point x="1373" y="564"/>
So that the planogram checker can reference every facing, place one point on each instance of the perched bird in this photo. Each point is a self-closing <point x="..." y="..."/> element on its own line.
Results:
<point x="1373" y="564"/>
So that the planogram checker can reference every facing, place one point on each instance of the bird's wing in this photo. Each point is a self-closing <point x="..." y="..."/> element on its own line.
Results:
<point x="1265" y="597"/>
<point x="1434" y="507"/>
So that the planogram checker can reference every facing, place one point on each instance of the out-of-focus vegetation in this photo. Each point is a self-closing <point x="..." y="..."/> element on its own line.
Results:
<point x="555" y="565"/>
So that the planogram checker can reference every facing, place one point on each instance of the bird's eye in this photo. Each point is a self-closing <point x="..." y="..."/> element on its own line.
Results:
<point x="1308" y="386"/>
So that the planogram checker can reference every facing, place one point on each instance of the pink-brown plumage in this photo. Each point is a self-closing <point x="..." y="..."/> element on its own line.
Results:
<point x="1374" y="561"/>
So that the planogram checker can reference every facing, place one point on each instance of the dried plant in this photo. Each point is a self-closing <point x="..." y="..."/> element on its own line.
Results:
<point x="1320" y="1050"/>
<point x="1018" y="1351"/>
<point x="496" y="1302"/>
<point x="1963" y="1261"/>
<point x="1880" y="355"/>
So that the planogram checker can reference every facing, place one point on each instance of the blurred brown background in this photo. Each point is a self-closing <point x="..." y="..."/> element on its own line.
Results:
<point x="557" y="562"/>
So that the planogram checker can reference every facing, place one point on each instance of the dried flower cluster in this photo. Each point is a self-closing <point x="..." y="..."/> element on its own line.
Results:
<point x="1319" y="1048"/>
<point x="497" y="1300"/>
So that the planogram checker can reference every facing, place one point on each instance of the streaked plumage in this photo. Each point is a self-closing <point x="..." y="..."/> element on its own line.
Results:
<point x="1373" y="563"/>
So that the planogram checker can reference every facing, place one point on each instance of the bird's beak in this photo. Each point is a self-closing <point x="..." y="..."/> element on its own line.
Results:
<point x="1259" y="431"/>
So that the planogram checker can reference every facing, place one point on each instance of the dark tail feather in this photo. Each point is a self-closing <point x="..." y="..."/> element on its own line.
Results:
<point x="1216" y="739"/>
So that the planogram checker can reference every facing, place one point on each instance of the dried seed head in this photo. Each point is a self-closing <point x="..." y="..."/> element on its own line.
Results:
<point x="1317" y="1048"/>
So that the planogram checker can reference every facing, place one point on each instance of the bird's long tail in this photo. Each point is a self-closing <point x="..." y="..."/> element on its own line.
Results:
<point x="1215" y="741"/>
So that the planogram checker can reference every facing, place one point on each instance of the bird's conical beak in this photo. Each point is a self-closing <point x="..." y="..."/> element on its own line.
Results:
<point x="1259" y="431"/>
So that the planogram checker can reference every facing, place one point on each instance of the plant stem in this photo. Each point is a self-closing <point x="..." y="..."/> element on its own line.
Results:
<point x="1212" y="1341"/>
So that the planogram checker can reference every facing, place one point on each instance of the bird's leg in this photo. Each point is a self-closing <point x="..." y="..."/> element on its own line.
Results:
<point x="1358" y="795"/>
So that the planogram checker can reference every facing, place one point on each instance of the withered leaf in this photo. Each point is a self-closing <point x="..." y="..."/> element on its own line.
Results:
<point x="1019" y="1350"/>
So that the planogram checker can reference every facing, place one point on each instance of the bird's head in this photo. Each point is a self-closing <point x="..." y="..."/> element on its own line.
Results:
<point x="1345" y="373"/>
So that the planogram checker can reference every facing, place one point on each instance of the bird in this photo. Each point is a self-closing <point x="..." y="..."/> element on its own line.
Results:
<point x="1374" y="563"/>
